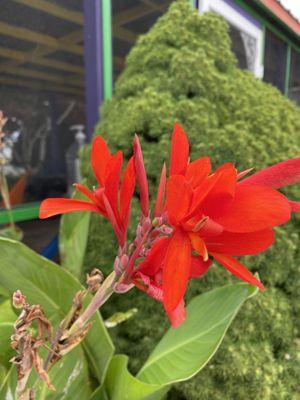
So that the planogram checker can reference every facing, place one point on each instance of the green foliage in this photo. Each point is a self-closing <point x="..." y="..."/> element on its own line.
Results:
<point x="7" y="319"/>
<point x="184" y="70"/>
<point x="73" y="234"/>
<point x="182" y="352"/>
<point x="119" y="381"/>
<point x="45" y="283"/>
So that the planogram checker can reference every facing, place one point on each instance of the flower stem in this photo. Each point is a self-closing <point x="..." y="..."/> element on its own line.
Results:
<point x="102" y="295"/>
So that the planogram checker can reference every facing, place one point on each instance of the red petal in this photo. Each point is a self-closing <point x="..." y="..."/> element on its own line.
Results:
<point x="179" y="151"/>
<point x="56" y="206"/>
<point x="178" y="315"/>
<point x="112" y="181"/>
<point x="176" y="270"/>
<point x="241" y="244"/>
<point x="85" y="191"/>
<point x="161" y="192"/>
<point x="237" y="269"/>
<point x="199" y="267"/>
<point x="198" y="170"/>
<point x="255" y="208"/>
<point x="179" y="196"/>
<point x="203" y="191"/>
<point x="141" y="176"/>
<point x="100" y="155"/>
<point x="126" y="192"/>
<point x="113" y="219"/>
<point x="282" y="174"/>
<point x="211" y="228"/>
<point x="221" y="195"/>
<point x="155" y="259"/>
<point x="295" y="205"/>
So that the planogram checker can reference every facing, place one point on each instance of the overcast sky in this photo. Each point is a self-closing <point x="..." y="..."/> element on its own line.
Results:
<point x="293" y="6"/>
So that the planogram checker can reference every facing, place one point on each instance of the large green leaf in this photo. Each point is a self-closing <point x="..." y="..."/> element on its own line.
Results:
<point x="70" y="377"/>
<point x="45" y="283"/>
<point x="73" y="235"/>
<point x="7" y="319"/>
<point x="119" y="384"/>
<point x="8" y="383"/>
<point x="182" y="352"/>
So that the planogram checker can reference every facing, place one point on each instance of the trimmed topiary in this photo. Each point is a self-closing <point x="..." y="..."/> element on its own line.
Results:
<point x="183" y="70"/>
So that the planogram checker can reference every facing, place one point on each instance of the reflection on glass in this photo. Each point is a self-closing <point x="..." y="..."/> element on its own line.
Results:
<point x="238" y="47"/>
<point x="294" y="85"/>
<point x="42" y="94"/>
<point x="275" y="61"/>
<point x="243" y="46"/>
<point x="130" y="18"/>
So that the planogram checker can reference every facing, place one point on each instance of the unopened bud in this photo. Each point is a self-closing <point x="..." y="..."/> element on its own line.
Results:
<point x="124" y="260"/>
<point x="18" y="299"/>
<point x="146" y="224"/>
<point x="117" y="266"/>
<point x="122" y="287"/>
<point x="139" y="231"/>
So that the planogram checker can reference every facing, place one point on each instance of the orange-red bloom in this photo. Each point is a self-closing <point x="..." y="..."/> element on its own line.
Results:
<point x="111" y="199"/>
<point x="213" y="216"/>
<point x="200" y="215"/>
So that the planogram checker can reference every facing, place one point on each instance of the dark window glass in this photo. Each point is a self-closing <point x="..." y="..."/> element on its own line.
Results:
<point x="238" y="46"/>
<point x="275" y="61"/>
<point x="294" y="84"/>
<point x="42" y="94"/>
<point x="130" y="18"/>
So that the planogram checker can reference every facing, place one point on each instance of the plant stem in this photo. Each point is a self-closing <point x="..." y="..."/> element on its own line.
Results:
<point x="102" y="295"/>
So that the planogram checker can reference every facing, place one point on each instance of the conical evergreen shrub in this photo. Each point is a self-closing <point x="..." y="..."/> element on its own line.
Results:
<point x="184" y="70"/>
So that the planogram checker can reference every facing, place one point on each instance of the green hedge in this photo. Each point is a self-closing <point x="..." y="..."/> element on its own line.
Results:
<point x="184" y="70"/>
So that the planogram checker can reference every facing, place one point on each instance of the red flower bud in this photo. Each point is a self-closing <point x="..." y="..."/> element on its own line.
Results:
<point x="141" y="176"/>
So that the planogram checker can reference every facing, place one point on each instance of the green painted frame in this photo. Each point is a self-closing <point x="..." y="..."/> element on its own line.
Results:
<point x="20" y="213"/>
<point x="288" y="70"/>
<point x="107" y="49"/>
<point x="267" y="24"/>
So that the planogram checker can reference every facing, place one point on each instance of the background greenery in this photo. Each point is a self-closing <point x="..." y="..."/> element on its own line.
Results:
<point x="184" y="70"/>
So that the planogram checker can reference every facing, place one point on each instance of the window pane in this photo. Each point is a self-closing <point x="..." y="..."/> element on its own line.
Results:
<point x="238" y="46"/>
<point x="130" y="18"/>
<point x="42" y="94"/>
<point x="275" y="61"/>
<point x="294" y="86"/>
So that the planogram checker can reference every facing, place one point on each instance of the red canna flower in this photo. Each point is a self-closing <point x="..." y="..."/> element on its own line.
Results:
<point x="111" y="199"/>
<point x="199" y="216"/>
<point x="213" y="216"/>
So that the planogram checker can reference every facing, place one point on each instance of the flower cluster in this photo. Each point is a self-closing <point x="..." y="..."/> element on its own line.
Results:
<point x="199" y="215"/>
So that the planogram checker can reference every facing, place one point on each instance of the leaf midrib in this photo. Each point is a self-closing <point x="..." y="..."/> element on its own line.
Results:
<point x="182" y="344"/>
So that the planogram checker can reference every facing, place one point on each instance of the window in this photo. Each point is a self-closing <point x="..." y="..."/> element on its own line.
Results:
<point x="246" y="33"/>
<point x="275" y="61"/>
<point x="238" y="45"/>
<point x="130" y="18"/>
<point x="42" y="94"/>
<point x="294" y="84"/>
